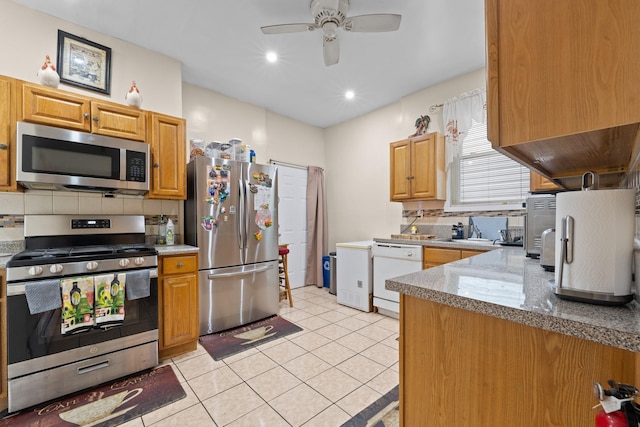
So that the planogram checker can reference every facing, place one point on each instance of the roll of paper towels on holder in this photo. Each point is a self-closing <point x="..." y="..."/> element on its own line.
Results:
<point x="603" y="232"/>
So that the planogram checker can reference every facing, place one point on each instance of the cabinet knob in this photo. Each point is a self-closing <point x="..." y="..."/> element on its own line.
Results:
<point x="180" y="264"/>
<point x="96" y="118"/>
<point x="155" y="165"/>
<point x="85" y="115"/>
<point x="4" y="147"/>
<point x="410" y="177"/>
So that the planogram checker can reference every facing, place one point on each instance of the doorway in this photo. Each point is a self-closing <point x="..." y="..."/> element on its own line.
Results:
<point x="292" y="218"/>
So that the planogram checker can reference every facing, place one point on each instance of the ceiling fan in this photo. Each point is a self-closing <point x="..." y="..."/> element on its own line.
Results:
<point x="329" y="15"/>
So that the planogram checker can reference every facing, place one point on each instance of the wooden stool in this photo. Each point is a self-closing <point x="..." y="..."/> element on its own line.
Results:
<point x="285" y="291"/>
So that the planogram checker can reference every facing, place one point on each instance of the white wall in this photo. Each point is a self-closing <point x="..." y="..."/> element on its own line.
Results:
<point x="27" y="36"/>
<point x="357" y="174"/>
<point x="212" y="116"/>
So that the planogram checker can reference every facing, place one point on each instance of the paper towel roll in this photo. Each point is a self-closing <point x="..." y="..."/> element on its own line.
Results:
<point x="604" y="225"/>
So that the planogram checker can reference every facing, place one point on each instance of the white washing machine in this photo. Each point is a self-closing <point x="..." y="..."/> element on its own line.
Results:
<point x="354" y="274"/>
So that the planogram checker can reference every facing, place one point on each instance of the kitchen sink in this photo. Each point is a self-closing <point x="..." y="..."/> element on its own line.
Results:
<point x="470" y="240"/>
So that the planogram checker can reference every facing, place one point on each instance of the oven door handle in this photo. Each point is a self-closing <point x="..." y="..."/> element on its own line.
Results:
<point x="18" y="288"/>
<point x="239" y="273"/>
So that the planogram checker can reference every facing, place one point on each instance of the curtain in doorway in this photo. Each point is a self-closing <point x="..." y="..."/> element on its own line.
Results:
<point x="317" y="240"/>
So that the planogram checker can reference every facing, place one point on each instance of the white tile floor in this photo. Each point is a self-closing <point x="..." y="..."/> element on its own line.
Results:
<point x="341" y="362"/>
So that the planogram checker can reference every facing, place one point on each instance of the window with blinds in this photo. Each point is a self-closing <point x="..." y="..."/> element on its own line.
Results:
<point x="483" y="178"/>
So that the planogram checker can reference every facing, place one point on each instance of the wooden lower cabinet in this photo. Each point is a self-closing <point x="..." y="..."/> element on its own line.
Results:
<point x="177" y="304"/>
<point x="433" y="257"/>
<point x="460" y="368"/>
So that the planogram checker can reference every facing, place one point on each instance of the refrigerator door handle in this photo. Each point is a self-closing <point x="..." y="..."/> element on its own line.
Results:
<point x="245" y="204"/>
<point x="240" y="273"/>
<point x="241" y="232"/>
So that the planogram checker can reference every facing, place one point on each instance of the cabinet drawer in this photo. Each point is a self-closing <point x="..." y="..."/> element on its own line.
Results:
<point x="439" y="255"/>
<point x="179" y="264"/>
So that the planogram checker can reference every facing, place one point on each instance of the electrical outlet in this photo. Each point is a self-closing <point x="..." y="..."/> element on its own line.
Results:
<point x="420" y="213"/>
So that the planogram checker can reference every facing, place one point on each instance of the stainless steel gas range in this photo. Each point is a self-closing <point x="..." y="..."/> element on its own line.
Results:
<point x="82" y="305"/>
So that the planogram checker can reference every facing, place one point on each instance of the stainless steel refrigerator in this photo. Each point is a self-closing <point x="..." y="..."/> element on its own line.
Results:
<point x="231" y="216"/>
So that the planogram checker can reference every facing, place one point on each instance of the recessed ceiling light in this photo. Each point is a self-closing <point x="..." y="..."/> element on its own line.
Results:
<point x="349" y="94"/>
<point x="272" y="56"/>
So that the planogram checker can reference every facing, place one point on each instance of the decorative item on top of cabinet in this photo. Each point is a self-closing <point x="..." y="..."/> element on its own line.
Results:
<point x="418" y="168"/>
<point x="7" y="134"/>
<point x="41" y="104"/>
<point x="133" y="96"/>
<point x="422" y="123"/>
<point x="177" y="304"/>
<point x="548" y="106"/>
<point x="168" y="157"/>
<point x="47" y="74"/>
<point x="538" y="183"/>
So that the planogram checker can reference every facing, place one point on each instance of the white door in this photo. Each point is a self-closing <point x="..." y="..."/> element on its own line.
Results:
<point x="292" y="219"/>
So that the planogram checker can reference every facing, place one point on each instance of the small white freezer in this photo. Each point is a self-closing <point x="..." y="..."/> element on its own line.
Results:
<point x="354" y="274"/>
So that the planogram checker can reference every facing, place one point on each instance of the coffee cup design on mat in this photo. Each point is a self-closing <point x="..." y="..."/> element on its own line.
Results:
<point x="99" y="409"/>
<point x="255" y="334"/>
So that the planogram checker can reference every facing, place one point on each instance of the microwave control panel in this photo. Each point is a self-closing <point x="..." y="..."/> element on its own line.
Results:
<point x="136" y="166"/>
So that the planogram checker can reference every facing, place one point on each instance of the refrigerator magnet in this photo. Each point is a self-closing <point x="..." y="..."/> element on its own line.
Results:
<point x="257" y="235"/>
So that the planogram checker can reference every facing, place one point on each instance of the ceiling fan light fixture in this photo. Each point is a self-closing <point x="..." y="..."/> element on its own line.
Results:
<point x="330" y="29"/>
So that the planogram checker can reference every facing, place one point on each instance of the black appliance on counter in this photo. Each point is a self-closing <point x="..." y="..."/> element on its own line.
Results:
<point x="44" y="361"/>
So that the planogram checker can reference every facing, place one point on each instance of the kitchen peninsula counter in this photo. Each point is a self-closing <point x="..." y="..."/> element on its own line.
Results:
<point x="484" y="341"/>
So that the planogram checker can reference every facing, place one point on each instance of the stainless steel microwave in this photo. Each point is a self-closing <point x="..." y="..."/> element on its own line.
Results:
<point x="50" y="158"/>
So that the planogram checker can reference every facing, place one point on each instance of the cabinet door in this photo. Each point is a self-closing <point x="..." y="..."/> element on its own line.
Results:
<point x="7" y="133"/>
<point x="118" y="121"/>
<point x="168" y="157"/>
<point x="432" y="257"/>
<point x="539" y="183"/>
<point x="427" y="166"/>
<point x="400" y="168"/>
<point x="45" y="105"/>
<point x="548" y="105"/>
<point x="179" y="310"/>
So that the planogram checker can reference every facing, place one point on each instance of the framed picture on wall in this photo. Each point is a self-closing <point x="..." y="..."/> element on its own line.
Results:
<point x="84" y="63"/>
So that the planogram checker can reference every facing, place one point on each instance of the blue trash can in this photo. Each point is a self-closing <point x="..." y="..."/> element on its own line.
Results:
<point x="326" y="271"/>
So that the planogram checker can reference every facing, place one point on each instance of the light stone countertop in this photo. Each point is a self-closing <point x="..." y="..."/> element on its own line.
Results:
<point x="176" y="249"/>
<point x="506" y="284"/>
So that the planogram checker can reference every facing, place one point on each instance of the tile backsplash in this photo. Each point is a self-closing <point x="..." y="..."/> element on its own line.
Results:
<point x="14" y="206"/>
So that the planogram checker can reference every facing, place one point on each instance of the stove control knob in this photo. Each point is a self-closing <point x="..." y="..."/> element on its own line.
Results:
<point x="56" y="268"/>
<point x="92" y="265"/>
<point x="36" y="270"/>
<point x="124" y="262"/>
<point x="138" y="261"/>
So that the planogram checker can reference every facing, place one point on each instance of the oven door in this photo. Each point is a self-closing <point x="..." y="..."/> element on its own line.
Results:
<point x="35" y="341"/>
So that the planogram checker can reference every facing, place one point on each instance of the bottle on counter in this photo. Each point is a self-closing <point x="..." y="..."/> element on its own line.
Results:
<point x="162" y="231"/>
<point x="170" y="232"/>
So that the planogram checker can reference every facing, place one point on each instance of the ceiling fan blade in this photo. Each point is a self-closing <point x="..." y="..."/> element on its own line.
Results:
<point x="331" y="50"/>
<point x="288" y="28"/>
<point x="373" y="23"/>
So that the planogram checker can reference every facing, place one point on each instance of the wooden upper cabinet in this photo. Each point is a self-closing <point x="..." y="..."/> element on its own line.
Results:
<point x="167" y="137"/>
<point x="563" y="94"/>
<point x="118" y="120"/>
<point x="539" y="183"/>
<point x="417" y="167"/>
<point x="49" y="106"/>
<point x="7" y="134"/>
